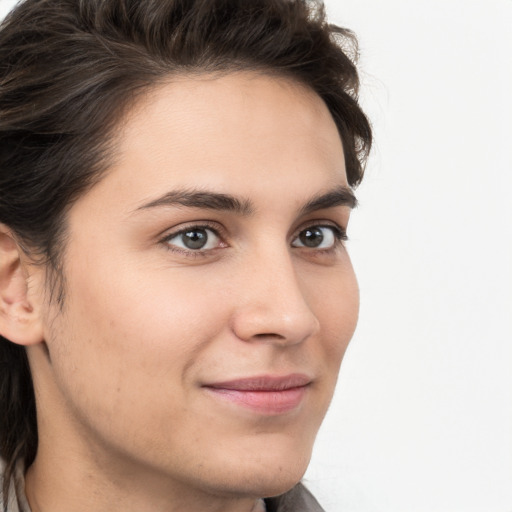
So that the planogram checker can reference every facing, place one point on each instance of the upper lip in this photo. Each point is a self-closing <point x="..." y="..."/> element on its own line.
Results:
<point x="264" y="383"/>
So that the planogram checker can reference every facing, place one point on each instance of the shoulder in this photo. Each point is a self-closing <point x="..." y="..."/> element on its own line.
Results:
<point x="15" y="501"/>
<point x="298" y="499"/>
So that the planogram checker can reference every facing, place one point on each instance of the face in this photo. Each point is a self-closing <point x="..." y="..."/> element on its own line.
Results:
<point x="210" y="298"/>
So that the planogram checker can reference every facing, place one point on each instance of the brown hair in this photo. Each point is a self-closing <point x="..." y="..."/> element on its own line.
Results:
<point x="68" y="70"/>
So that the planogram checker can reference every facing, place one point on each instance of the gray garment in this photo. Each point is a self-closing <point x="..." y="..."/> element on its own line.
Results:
<point x="299" y="499"/>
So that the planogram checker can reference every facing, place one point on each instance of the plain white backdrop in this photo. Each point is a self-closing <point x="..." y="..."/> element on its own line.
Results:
<point x="422" y="417"/>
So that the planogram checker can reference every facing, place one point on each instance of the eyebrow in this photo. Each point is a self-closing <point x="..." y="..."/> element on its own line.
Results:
<point x="202" y="199"/>
<point x="341" y="196"/>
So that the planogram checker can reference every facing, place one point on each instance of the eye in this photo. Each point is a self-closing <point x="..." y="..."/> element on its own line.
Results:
<point x="195" y="239"/>
<point x="319" y="237"/>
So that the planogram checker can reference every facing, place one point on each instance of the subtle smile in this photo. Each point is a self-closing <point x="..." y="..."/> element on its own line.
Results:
<point x="271" y="395"/>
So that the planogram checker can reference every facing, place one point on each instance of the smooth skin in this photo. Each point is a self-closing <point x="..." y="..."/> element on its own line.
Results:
<point x="164" y="299"/>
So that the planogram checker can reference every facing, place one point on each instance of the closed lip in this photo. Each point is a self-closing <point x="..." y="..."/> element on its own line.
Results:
<point x="264" y="383"/>
<point x="268" y="395"/>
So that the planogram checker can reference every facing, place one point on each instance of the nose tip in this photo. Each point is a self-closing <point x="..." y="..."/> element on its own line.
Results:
<point x="275" y="312"/>
<point x="269" y="326"/>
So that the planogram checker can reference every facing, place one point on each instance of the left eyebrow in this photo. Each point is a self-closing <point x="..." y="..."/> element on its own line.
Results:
<point x="341" y="196"/>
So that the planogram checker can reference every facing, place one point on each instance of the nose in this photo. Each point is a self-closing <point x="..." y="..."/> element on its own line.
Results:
<point x="272" y="304"/>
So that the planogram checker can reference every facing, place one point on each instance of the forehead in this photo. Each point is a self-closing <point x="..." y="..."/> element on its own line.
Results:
<point x="241" y="131"/>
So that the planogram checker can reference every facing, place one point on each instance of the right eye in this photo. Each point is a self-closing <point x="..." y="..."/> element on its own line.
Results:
<point x="197" y="238"/>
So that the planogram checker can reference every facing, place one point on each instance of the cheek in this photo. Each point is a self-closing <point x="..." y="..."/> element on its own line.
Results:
<point x="150" y="318"/>
<point x="337" y="309"/>
<point x="125" y="340"/>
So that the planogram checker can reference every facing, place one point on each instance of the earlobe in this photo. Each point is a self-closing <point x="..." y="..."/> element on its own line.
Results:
<point x="19" y="310"/>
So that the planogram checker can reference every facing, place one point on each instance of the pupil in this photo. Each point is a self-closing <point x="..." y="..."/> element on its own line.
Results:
<point x="312" y="237"/>
<point x="195" y="239"/>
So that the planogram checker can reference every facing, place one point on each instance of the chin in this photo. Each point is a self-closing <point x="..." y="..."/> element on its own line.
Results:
<point x="277" y="482"/>
<point x="266" y="475"/>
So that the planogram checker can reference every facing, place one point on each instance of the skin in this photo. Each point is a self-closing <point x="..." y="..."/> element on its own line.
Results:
<point x="124" y="417"/>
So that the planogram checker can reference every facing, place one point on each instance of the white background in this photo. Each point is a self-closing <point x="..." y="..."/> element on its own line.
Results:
<point x="422" y="417"/>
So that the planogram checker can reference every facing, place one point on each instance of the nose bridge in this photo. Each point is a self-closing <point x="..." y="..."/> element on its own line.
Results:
<point x="273" y="304"/>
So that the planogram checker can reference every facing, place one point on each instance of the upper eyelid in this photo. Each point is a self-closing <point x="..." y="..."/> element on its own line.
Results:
<point x="173" y="232"/>
<point x="321" y="223"/>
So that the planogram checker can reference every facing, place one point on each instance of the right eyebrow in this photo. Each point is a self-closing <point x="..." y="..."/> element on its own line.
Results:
<point x="202" y="199"/>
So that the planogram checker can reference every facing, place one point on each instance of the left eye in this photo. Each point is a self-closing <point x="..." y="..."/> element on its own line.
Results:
<point x="317" y="237"/>
<point x="195" y="239"/>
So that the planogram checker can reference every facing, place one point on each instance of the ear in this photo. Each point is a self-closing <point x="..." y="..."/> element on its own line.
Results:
<point x="20" y="321"/>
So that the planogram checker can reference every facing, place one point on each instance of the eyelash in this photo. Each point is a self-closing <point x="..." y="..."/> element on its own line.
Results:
<point x="339" y="233"/>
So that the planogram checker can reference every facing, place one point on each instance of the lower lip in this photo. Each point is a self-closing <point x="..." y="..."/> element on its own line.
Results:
<point x="269" y="402"/>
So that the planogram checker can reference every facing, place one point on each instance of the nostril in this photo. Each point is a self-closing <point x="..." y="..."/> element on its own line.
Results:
<point x="269" y="335"/>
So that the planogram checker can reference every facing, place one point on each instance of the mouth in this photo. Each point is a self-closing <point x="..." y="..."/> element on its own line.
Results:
<point x="267" y="394"/>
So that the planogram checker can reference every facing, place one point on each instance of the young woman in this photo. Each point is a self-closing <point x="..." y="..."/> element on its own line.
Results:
<point x="176" y="181"/>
